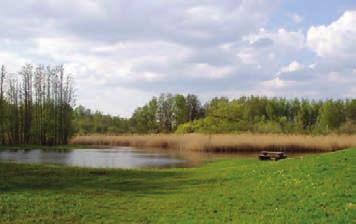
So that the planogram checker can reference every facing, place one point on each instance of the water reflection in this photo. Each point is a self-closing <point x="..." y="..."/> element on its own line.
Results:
<point x="118" y="157"/>
<point x="121" y="157"/>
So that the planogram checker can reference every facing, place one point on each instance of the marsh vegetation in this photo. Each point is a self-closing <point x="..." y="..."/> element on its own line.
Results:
<point x="225" y="142"/>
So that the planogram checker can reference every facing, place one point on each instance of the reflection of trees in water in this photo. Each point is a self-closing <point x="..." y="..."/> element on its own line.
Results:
<point x="124" y="157"/>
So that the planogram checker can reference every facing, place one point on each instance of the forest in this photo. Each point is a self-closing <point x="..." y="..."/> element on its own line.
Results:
<point x="161" y="114"/>
<point x="36" y="105"/>
<point x="170" y="113"/>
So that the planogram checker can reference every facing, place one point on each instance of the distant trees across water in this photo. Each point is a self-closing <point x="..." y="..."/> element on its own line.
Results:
<point x="170" y="113"/>
<point x="36" y="106"/>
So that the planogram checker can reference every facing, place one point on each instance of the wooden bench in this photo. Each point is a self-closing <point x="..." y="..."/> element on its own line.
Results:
<point x="265" y="155"/>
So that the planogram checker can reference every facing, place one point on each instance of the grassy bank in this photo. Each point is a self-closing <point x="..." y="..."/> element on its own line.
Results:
<point x="225" y="142"/>
<point x="313" y="189"/>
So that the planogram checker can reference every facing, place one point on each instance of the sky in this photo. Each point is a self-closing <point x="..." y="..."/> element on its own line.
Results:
<point x="121" y="53"/>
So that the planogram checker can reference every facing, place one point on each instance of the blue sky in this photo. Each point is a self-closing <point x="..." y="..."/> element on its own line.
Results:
<point x="121" y="53"/>
<point x="315" y="12"/>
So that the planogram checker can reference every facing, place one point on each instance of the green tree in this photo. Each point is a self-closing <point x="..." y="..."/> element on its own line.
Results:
<point x="195" y="110"/>
<point x="180" y="110"/>
<point x="331" y="115"/>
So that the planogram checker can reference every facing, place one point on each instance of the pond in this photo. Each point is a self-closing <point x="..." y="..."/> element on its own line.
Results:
<point x="117" y="157"/>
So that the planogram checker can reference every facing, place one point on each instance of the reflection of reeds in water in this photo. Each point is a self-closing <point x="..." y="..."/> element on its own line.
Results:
<point x="226" y="142"/>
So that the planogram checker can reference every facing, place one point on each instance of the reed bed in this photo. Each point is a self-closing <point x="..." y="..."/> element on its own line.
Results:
<point x="225" y="142"/>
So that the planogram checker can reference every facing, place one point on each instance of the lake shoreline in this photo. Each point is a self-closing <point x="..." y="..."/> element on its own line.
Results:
<point x="54" y="147"/>
<point x="105" y="157"/>
<point x="224" y="190"/>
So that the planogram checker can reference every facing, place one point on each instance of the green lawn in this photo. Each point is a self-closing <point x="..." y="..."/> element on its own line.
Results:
<point x="313" y="189"/>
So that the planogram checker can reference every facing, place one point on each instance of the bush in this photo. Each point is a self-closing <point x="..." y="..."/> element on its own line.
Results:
<point x="348" y="127"/>
<point x="268" y="127"/>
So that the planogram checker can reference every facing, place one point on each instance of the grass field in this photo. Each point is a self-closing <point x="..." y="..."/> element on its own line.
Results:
<point x="226" y="142"/>
<point x="313" y="189"/>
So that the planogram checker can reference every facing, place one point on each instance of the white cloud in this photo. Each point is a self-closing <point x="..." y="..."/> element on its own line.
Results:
<point x="12" y="60"/>
<point x="352" y="92"/>
<point x="277" y="83"/>
<point x="204" y="14"/>
<point x="152" y="76"/>
<point x="292" y="67"/>
<point x="336" y="39"/>
<point x="312" y="66"/>
<point x="209" y="71"/>
<point x="119" y="50"/>
<point x="295" y="18"/>
<point x="274" y="83"/>
<point x="335" y="77"/>
<point x="248" y="56"/>
<point x="281" y="37"/>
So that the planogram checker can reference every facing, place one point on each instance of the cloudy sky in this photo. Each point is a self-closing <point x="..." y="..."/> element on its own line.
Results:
<point x="123" y="52"/>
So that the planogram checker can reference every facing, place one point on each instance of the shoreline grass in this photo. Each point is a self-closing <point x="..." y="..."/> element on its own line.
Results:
<point x="312" y="189"/>
<point x="225" y="142"/>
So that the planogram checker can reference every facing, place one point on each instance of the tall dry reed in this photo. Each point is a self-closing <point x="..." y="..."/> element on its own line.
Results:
<point x="225" y="142"/>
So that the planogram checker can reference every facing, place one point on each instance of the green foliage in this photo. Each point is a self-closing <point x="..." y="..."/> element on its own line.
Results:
<point x="180" y="110"/>
<point x="348" y="127"/>
<point x="184" y="114"/>
<point x="36" y="106"/>
<point x="332" y="115"/>
<point x="351" y="110"/>
<point x="160" y="115"/>
<point x="87" y="122"/>
<point x="275" y="115"/>
<point x="165" y="113"/>
<point x="144" y="119"/>
<point x="268" y="127"/>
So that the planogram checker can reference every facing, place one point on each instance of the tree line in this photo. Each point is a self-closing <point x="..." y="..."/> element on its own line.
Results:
<point x="170" y="113"/>
<point x="161" y="114"/>
<point x="36" y="105"/>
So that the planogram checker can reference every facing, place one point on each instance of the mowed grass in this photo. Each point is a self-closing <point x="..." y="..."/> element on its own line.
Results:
<point x="225" y="142"/>
<point x="311" y="189"/>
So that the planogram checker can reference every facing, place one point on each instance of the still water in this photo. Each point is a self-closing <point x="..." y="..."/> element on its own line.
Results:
<point x="119" y="157"/>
